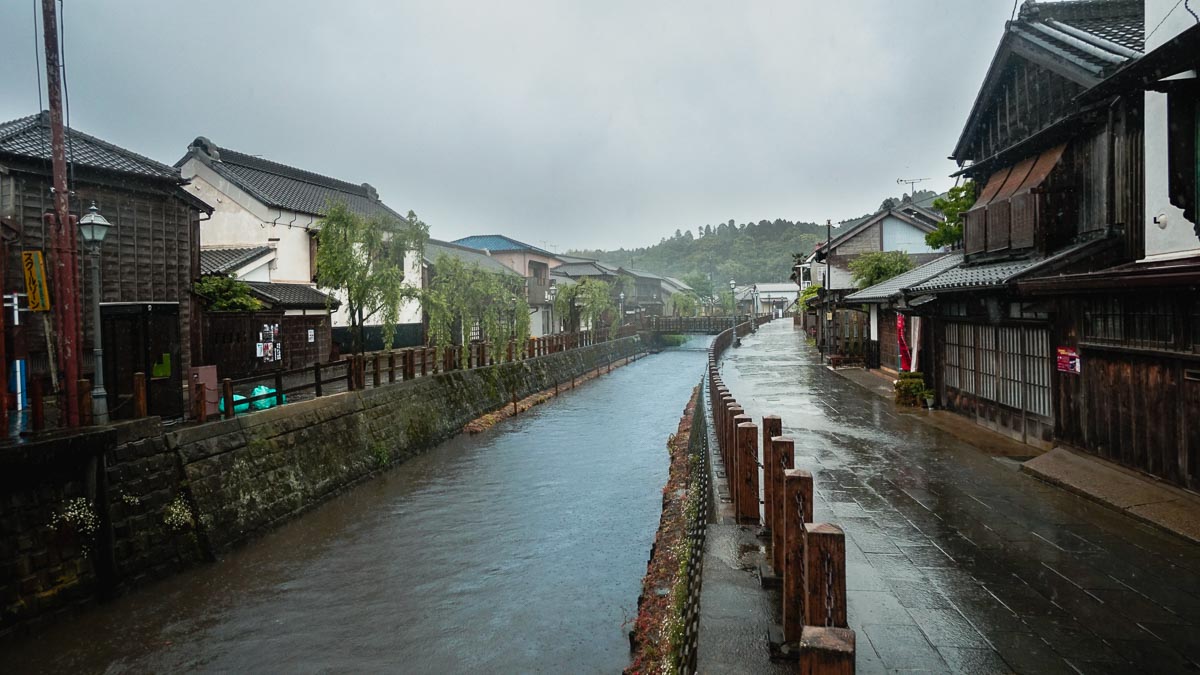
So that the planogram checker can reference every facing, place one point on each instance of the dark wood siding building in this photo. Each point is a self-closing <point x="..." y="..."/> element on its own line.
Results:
<point x="151" y="253"/>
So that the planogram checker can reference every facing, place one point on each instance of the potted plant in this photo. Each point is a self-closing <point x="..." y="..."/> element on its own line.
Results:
<point x="928" y="395"/>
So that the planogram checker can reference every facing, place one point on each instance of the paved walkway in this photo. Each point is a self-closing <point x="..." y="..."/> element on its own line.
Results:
<point x="956" y="561"/>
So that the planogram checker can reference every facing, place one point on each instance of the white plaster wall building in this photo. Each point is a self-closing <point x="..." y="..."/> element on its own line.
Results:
<point x="1171" y="232"/>
<point x="260" y="203"/>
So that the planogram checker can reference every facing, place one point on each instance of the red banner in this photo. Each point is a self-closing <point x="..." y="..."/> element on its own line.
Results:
<point x="902" y="341"/>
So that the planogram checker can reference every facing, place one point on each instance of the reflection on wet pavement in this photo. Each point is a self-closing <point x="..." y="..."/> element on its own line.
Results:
<point x="955" y="561"/>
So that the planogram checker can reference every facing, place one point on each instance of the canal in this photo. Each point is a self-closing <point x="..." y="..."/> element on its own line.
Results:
<point x="519" y="549"/>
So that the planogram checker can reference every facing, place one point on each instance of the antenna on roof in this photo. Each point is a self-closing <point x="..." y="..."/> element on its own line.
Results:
<point x="911" y="182"/>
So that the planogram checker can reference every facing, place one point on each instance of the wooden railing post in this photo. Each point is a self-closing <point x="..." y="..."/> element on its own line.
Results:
<point x="199" y="403"/>
<point x="797" y="497"/>
<point x="227" y="394"/>
<point x="772" y="426"/>
<point x="350" y="362"/>
<point x="827" y="650"/>
<point x="747" y="447"/>
<point x="785" y="452"/>
<point x="825" y="576"/>
<point x="392" y="365"/>
<point x="424" y="361"/>
<point x="733" y="470"/>
<point x="317" y="378"/>
<point x="279" y="386"/>
<point x="375" y="375"/>
<point x="139" y="395"/>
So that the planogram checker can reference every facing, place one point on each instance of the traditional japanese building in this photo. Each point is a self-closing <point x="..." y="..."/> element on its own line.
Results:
<point x="1126" y="339"/>
<point x="148" y="263"/>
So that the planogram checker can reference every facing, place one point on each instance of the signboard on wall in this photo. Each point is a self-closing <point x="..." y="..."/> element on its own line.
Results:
<point x="269" y="347"/>
<point x="35" y="281"/>
<point x="1068" y="360"/>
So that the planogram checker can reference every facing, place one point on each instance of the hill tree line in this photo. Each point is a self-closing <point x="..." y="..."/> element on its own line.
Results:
<point x="746" y="252"/>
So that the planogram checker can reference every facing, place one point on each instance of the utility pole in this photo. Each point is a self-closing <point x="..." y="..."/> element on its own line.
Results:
<point x="828" y="287"/>
<point x="62" y="228"/>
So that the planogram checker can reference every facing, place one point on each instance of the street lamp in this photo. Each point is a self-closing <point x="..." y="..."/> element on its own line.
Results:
<point x="733" y="298"/>
<point x="93" y="227"/>
<point x="754" y="319"/>
<point x="553" y="293"/>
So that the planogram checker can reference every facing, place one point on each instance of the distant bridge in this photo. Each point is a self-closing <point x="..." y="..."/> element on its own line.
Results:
<point x="703" y="325"/>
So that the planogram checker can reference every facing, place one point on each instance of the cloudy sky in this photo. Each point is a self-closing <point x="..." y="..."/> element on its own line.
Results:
<point x="576" y="124"/>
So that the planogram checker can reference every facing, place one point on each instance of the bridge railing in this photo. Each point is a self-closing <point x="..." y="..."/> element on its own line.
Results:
<point x="807" y="558"/>
<point x="709" y="325"/>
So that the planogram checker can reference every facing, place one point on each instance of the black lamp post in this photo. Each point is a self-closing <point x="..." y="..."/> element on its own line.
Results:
<point x="552" y="293"/>
<point x="92" y="229"/>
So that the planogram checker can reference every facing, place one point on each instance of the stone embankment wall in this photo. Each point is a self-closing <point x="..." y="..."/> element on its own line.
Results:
<point x="147" y="503"/>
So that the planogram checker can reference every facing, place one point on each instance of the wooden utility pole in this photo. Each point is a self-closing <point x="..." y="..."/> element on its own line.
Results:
<point x="64" y="247"/>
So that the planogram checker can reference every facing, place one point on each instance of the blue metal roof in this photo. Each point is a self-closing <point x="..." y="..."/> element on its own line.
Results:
<point x="499" y="242"/>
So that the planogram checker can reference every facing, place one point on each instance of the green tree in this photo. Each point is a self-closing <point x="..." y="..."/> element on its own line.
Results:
<point x="958" y="199"/>
<point x="589" y="301"/>
<point x="462" y="297"/>
<point x="809" y="291"/>
<point x="226" y="294"/>
<point x="363" y="259"/>
<point x="701" y="284"/>
<point x="871" y="268"/>
<point x="684" y="304"/>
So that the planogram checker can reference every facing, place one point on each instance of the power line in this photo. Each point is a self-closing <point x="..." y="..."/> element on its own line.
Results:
<point x="1164" y="19"/>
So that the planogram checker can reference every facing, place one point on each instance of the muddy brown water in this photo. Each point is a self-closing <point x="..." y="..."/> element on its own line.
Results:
<point x="521" y="549"/>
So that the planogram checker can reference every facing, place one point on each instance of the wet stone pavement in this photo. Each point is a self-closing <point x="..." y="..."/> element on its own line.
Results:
<point x="956" y="561"/>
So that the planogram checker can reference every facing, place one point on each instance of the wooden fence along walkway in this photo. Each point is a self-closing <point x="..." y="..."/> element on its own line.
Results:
<point x="808" y="558"/>
<point x="376" y="369"/>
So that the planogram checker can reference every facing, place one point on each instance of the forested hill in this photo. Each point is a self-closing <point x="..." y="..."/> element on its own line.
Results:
<point x="749" y="252"/>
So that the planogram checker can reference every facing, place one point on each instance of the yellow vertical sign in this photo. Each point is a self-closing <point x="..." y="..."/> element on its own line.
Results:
<point x="35" y="281"/>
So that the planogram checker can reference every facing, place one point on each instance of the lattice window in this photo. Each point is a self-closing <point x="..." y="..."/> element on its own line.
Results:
<point x="1009" y="392"/>
<point x="987" y="362"/>
<point x="1144" y="322"/>
<point x="952" y="372"/>
<point x="1103" y="320"/>
<point x="966" y="356"/>
<point x="1037" y="371"/>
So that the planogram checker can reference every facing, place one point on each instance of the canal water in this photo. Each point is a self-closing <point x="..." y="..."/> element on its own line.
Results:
<point x="521" y="549"/>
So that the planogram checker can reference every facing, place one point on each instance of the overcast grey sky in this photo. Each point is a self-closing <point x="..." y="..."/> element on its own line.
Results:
<point x="579" y="124"/>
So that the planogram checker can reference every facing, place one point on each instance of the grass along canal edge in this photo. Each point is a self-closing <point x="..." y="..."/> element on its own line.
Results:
<point x="663" y="636"/>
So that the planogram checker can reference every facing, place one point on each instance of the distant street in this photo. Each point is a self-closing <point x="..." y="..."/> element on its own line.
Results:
<point x="955" y="560"/>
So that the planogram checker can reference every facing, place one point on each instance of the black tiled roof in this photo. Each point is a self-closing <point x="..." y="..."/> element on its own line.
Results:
<point x="1110" y="29"/>
<point x="292" y="296"/>
<point x="29" y="138"/>
<point x="975" y="277"/>
<point x="286" y="187"/>
<point x="885" y="290"/>
<point x="225" y="260"/>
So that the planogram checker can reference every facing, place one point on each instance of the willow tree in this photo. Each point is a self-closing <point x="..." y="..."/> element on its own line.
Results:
<point x="586" y="302"/>
<point x="362" y="258"/>
<point x="463" y="296"/>
<point x="684" y="304"/>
